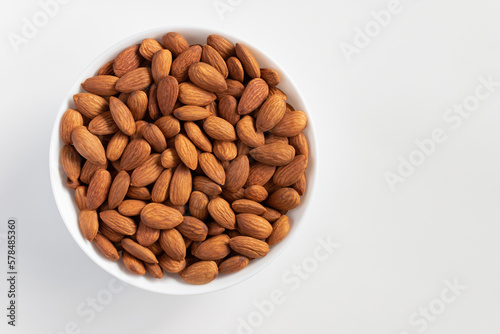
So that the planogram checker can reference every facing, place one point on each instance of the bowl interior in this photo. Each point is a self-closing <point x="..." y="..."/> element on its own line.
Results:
<point x="173" y="284"/>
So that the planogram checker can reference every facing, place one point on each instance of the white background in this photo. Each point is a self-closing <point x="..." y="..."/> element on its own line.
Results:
<point x="397" y="247"/>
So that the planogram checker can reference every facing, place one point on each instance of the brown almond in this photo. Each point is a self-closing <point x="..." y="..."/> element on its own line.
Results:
<point x="272" y="138"/>
<point x="214" y="248"/>
<point x="88" y="145"/>
<point x="206" y="186"/>
<point x="118" y="189"/>
<point x="172" y="243"/>
<point x="234" y="88"/>
<point x="170" y="265"/>
<point x="228" y="109"/>
<point x="90" y="105"/>
<point x="276" y="91"/>
<point x="284" y="199"/>
<point x="219" y="129"/>
<point x="160" y="189"/>
<point x="127" y="60"/>
<point x="292" y="124"/>
<point x="191" y="113"/>
<point x="98" y="189"/>
<point x="197" y="136"/>
<point x="133" y="264"/>
<point x="249" y="247"/>
<point x="175" y="42"/>
<point x="191" y="94"/>
<point x="225" y="150"/>
<point x="145" y="235"/>
<point x="221" y="212"/>
<point x="271" y="215"/>
<point x="103" y="124"/>
<point x="299" y="142"/>
<point x="148" y="172"/>
<point x="89" y="224"/>
<point x="213" y="58"/>
<point x="207" y="77"/>
<point x="71" y="162"/>
<point x="103" y="85"/>
<point x="161" y="64"/>
<point x="169" y="126"/>
<point x="72" y="184"/>
<point x="135" y="154"/>
<point x="253" y="96"/>
<point x="212" y="168"/>
<point x="215" y="229"/>
<point x="270" y="76"/>
<point x="253" y="226"/>
<point x="69" y="121"/>
<point x="140" y="252"/>
<point x="116" y="146"/>
<point x="106" y="69"/>
<point x="159" y="216"/>
<point x="233" y="264"/>
<point x="280" y="230"/>
<point x="137" y="79"/>
<point x="231" y="196"/>
<point x="180" y="185"/>
<point x="122" y="116"/>
<point x="193" y="229"/>
<point x="248" y="206"/>
<point x="186" y="151"/>
<point x="300" y="185"/>
<point x="270" y="113"/>
<point x="170" y="158"/>
<point x="198" y="207"/>
<point x="259" y="174"/>
<point x="131" y="207"/>
<point x="154" y="270"/>
<point x="221" y="45"/>
<point x="81" y="197"/>
<point x="140" y="193"/>
<point x="167" y="92"/>
<point x="235" y="69"/>
<point x="155" y="137"/>
<point x="154" y="111"/>
<point x="256" y="193"/>
<point x="275" y="154"/>
<point x="117" y="222"/>
<point x="137" y="103"/>
<point x="106" y="247"/>
<point x="248" y="134"/>
<point x="286" y="176"/>
<point x="201" y="272"/>
<point x="88" y="170"/>
<point x="181" y="64"/>
<point x="149" y="47"/>
<point x="139" y="126"/>
<point x="237" y="173"/>
<point x="248" y="61"/>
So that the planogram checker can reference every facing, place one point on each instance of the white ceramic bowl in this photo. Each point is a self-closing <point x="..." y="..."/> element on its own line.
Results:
<point x="171" y="283"/>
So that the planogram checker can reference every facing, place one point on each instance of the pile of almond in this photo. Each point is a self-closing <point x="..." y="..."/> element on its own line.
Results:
<point x="184" y="159"/>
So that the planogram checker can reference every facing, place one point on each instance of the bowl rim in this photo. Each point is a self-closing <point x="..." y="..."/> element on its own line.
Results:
<point x="55" y="168"/>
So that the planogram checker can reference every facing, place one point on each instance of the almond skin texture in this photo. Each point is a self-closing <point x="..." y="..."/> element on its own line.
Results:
<point x="146" y="236"/>
<point x="149" y="47"/>
<point x="140" y="193"/>
<point x="159" y="216"/>
<point x="70" y="160"/>
<point x="193" y="229"/>
<point x="234" y="88"/>
<point x="175" y="42"/>
<point x="198" y="205"/>
<point x="219" y="129"/>
<point x="284" y="199"/>
<point x="214" y="248"/>
<point x="70" y="120"/>
<point x="106" y="69"/>
<point x="248" y="206"/>
<point x="186" y="151"/>
<point x="137" y="79"/>
<point x="154" y="111"/>
<point x="89" y="169"/>
<point x="225" y="150"/>
<point x="207" y="77"/>
<point x="249" y="247"/>
<point x="221" y="45"/>
<point x="169" y="126"/>
<point x="167" y="92"/>
<point x="193" y="95"/>
<point x="106" y="247"/>
<point x="235" y="69"/>
<point x="88" y="145"/>
<point x="212" y="168"/>
<point x="275" y="154"/>
<point x="221" y="212"/>
<point x="248" y="61"/>
<point x="160" y="189"/>
<point x="122" y="116"/>
<point x="170" y="265"/>
<point x="140" y="252"/>
<point x="256" y="193"/>
<point x="154" y="270"/>
<point x="148" y="172"/>
<point x="286" y="176"/>
<point x="237" y="173"/>
<point x="103" y="124"/>
<point x="253" y="226"/>
<point x="89" y="224"/>
<point x="172" y="243"/>
<point x="247" y="132"/>
<point x="90" y="105"/>
<point x="271" y="215"/>
<point x="116" y="146"/>
<point x="227" y="109"/>
<point x="271" y="112"/>
<point x="170" y="158"/>
<point x="103" y="85"/>
<point x="98" y="189"/>
<point x="81" y="197"/>
<point x="118" y="189"/>
<point x="197" y="136"/>
<point x="117" y="222"/>
<point x="181" y="185"/>
<point x="206" y="186"/>
<point x="133" y="264"/>
<point x="135" y="154"/>
<point x="260" y="174"/>
<point x="155" y="137"/>
<point x="299" y="142"/>
<point x="201" y="272"/>
<point x="191" y="113"/>
<point x="280" y="230"/>
<point x="292" y="124"/>
<point x="300" y="185"/>
<point x="131" y="207"/>
<point x="233" y="264"/>
<point x="160" y="66"/>
<point x="210" y="56"/>
<point x="270" y="76"/>
<point x="181" y="64"/>
<point x="127" y="60"/>
<point x="253" y="96"/>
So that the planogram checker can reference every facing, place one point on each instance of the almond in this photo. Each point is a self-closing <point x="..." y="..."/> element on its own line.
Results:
<point x="271" y="215"/>
<point x="291" y="124"/>
<point x="167" y="92"/>
<point x="103" y="124"/>
<point x="235" y="69"/>
<point x="243" y="149"/>
<point x="88" y="145"/>
<point x="140" y="252"/>
<point x="149" y="47"/>
<point x="135" y="154"/>
<point x="260" y="174"/>
<point x="180" y="185"/>
<point x="198" y="207"/>
<point x="206" y="186"/>
<point x="275" y="154"/>
<point x="256" y="193"/>
<point x="233" y="264"/>
<point x="155" y="137"/>
<point x="131" y="207"/>
<point x="193" y="95"/>
<point x="214" y="248"/>
<point x="270" y="76"/>
<point x="160" y="189"/>
<point x="276" y="91"/>
<point x="299" y="142"/>
<point x="288" y="175"/>
<point x="219" y="129"/>
<point x="148" y="172"/>
<point x="237" y="173"/>
<point x="90" y="105"/>
<point x="161" y="64"/>
<point x="154" y="111"/>
<point x="231" y="196"/>
<point x="201" y="272"/>
<point x="215" y="229"/>
<point x="191" y="113"/>
<point x="186" y="151"/>
<point x="270" y="113"/>
<point x="118" y="189"/>
<point x="154" y="270"/>
<point x="137" y="79"/>
<point x="221" y="45"/>
<point x="248" y="206"/>
<point x="103" y="85"/>
<point x="89" y="224"/>
<point x="212" y="168"/>
<point x="170" y="158"/>
<point x="72" y="184"/>
<point x="117" y="222"/>
<point x="234" y="89"/>
<point x="207" y="77"/>
<point x="70" y="160"/>
<point x="81" y="197"/>
<point x="227" y="109"/>
<point x="193" y="229"/>
<point x="137" y="103"/>
<point x="284" y="199"/>
<point x="116" y="146"/>
<point x="253" y="226"/>
<point x="172" y="243"/>
<point x="249" y="247"/>
<point x="181" y="64"/>
<point x="248" y="61"/>
<point x="197" y="136"/>
<point x="221" y="212"/>
<point x="213" y="58"/>
<point x="175" y="42"/>
<point x="280" y="230"/>
<point x="133" y="264"/>
<point x="106" y="247"/>
<point x="106" y="69"/>
<point x="122" y="116"/>
<point x="170" y="265"/>
<point x="169" y="126"/>
<point x="253" y="96"/>
<point x="89" y="169"/>
<point x="98" y="189"/>
<point x="127" y="60"/>
<point x="300" y="185"/>
<point x="139" y="126"/>
<point x="159" y="216"/>
<point x="245" y="128"/>
<point x="225" y="150"/>
<point x="145" y="235"/>
<point x="140" y="193"/>
<point x="69" y="121"/>
<point x="272" y="138"/>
